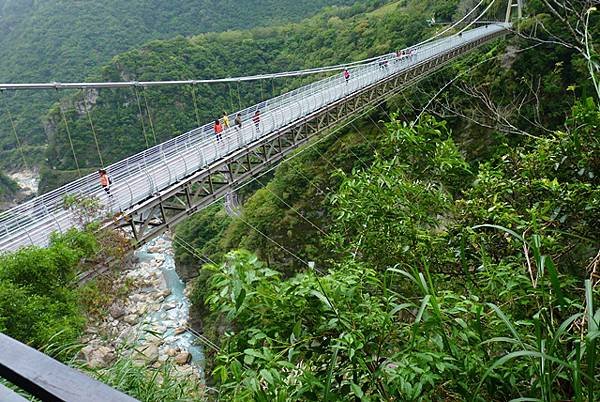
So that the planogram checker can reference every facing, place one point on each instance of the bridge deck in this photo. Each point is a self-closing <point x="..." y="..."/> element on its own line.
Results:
<point x="141" y="179"/>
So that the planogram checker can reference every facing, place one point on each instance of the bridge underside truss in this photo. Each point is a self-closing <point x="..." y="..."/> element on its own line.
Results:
<point x="166" y="209"/>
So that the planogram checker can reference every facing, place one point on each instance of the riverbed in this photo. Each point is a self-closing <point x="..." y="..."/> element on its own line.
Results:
<point x="150" y="325"/>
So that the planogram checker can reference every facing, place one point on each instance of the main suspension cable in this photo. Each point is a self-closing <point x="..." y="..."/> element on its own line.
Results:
<point x="294" y="73"/>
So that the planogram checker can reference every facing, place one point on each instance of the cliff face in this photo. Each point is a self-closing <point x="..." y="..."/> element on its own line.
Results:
<point x="17" y="187"/>
<point x="8" y="192"/>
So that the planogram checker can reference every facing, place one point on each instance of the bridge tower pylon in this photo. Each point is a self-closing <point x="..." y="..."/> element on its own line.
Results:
<point x="512" y="4"/>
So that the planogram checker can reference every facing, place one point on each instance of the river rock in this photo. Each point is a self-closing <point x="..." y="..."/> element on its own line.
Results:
<point x="180" y="330"/>
<point x="155" y="249"/>
<point x="131" y="319"/>
<point x="183" y="358"/>
<point x="116" y="311"/>
<point x="136" y="297"/>
<point x="160" y="329"/>
<point x="147" y="354"/>
<point x="169" y="305"/>
<point x="153" y="338"/>
<point x="98" y="357"/>
<point x="171" y="352"/>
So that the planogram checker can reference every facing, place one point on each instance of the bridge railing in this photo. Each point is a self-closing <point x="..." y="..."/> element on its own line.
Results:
<point x="46" y="379"/>
<point x="138" y="177"/>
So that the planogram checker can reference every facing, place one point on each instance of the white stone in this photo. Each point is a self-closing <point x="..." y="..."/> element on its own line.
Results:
<point x="131" y="319"/>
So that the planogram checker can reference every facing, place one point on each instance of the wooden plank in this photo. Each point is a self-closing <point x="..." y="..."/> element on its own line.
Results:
<point x="8" y="395"/>
<point x="49" y="380"/>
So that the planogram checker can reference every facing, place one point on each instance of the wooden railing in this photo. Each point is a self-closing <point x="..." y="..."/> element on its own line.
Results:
<point x="47" y="379"/>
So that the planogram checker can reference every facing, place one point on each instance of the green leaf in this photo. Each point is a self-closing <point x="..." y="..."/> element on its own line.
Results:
<point x="357" y="390"/>
<point x="554" y="280"/>
<point x="332" y="364"/>
<point x="321" y="297"/>
<point x="511" y="232"/>
<point x="240" y="299"/>
<point x="267" y="376"/>
<point x="507" y="322"/>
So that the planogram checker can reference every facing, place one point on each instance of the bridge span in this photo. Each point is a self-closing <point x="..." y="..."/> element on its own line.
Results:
<point x="155" y="189"/>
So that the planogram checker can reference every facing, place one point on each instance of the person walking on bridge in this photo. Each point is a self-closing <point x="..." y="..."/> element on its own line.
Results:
<point x="238" y="122"/>
<point x="105" y="182"/>
<point x="225" y="121"/>
<point x="218" y="130"/>
<point x="346" y="75"/>
<point x="256" y="120"/>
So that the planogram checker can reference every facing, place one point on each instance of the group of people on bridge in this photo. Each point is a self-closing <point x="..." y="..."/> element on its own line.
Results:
<point x="223" y="123"/>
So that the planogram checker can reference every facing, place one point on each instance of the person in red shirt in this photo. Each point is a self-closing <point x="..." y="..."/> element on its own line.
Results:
<point x="347" y="75"/>
<point x="256" y="120"/>
<point x="218" y="129"/>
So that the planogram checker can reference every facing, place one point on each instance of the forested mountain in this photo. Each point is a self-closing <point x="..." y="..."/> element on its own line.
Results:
<point x="335" y="36"/>
<point x="62" y="40"/>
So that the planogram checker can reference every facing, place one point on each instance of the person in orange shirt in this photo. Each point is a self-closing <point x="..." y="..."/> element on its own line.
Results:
<point x="105" y="181"/>
<point x="218" y="129"/>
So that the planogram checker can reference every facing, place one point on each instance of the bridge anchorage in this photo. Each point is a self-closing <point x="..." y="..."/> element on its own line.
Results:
<point x="156" y="189"/>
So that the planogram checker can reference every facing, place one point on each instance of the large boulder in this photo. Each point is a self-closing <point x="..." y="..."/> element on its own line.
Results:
<point x="131" y="319"/>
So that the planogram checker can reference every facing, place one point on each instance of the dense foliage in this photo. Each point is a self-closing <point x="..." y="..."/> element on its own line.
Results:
<point x="8" y="188"/>
<point x="424" y="301"/>
<point x="38" y="303"/>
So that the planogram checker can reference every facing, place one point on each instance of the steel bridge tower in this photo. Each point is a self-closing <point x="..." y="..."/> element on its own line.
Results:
<point x="512" y="4"/>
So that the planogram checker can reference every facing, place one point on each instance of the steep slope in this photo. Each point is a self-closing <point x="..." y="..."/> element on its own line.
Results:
<point x="8" y="190"/>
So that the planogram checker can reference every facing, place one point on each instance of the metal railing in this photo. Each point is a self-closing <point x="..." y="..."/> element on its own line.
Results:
<point x="145" y="174"/>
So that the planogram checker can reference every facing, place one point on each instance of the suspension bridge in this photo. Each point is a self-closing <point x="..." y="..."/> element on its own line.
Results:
<point x="155" y="189"/>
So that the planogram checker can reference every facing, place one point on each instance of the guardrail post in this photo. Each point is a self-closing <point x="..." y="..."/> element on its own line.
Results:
<point x="150" y="183"/>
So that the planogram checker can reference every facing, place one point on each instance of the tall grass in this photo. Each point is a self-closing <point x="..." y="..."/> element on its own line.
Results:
<point x="548" y="356"/>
